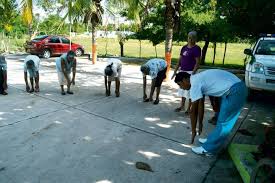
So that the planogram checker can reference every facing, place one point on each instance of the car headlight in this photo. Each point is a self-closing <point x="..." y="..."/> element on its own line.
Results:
<point x="257" y="68"/>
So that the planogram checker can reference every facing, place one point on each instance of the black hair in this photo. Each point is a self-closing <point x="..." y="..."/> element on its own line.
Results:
<point x="181" y="76"/>
<point x="108" y="70"/>
<point x="30" y="63"/>
<point x="70" y="53"/>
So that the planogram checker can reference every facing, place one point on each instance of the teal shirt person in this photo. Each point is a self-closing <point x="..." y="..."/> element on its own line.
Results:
<point x="68" y="65"/>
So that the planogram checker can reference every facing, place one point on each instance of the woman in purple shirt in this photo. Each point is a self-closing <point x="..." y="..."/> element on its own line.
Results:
<point x="188" y="62"/>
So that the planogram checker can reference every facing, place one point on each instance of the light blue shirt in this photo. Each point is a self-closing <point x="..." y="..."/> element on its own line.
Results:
<point x="36" y="61"/>
<point x="3" y="63"/>
<point x="156" y="65"/>
<point x="212" y="82"/>
<point x="68" y="65"/>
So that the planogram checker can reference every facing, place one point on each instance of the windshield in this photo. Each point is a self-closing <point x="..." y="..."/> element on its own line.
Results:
<point x="39" y="38"/>
<point x="266" y="47"/>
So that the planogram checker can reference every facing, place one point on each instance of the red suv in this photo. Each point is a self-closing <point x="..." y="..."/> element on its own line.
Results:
<point x="48" y="46"/>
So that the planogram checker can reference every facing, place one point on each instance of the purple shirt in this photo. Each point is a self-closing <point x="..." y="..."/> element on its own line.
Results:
<point x="188" y="55"/>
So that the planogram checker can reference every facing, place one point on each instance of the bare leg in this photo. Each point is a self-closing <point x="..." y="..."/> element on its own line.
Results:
<point x="37" y="83"/>
<point x="152" y="93"/>
<point x="32" y="88"/>
<point x="157" y="97"/>
<point x="109" y="88"/>
<point x="201" y="114"/>
<point x="189" y="107"/>
<point x="117" y="87"/>
<point x="181" y="105"/>
<point x="62" y="90"/>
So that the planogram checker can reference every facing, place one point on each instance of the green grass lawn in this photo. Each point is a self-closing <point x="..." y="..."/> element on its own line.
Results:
<point x="234" y="55"/>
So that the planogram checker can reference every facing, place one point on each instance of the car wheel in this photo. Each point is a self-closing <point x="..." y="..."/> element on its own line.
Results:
<point x="46" y="53"/>
<point x="78" y="52"/>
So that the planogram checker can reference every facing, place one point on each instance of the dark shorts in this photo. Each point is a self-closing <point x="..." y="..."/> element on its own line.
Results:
<point x="161" y="76"/>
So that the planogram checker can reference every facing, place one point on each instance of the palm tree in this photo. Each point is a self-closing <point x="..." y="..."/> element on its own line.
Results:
<point x="26" y="7"/>
<point x="172" y="14"/>
<point x="93" y="14"/>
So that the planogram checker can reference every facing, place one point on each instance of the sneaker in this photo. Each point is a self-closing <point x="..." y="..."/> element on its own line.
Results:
<point x="70" y="92"/>
<point x="202" y="140"/>
<point x="201" y="151"/>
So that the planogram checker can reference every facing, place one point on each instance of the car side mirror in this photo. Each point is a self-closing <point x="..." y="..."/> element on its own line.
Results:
<point x="248" y="52"/>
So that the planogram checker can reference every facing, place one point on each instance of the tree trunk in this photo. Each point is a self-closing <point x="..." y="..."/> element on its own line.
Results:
<point x="94" y="53"/>
<point x="156" y="51"/>
<point x="121" y="49"/>
<point x="169" y="25"/>
<point x="30" y="30"/>
<point x="204" y="49"/>
<point x="225" y="47"/>
<point x="214" y="56"/>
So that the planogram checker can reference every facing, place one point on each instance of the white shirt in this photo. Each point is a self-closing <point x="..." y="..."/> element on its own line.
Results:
<point x="213" y="82"/>
<point x="115" y="67"/>
<point x="36" y="61"/>
<point x="156" y="65"/>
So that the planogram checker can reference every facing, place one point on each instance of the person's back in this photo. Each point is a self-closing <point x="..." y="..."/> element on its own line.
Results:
<point x="212" y="82"/>
<point x="36" y="61"/>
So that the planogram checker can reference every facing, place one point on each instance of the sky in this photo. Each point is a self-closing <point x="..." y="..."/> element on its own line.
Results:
<point x="107" y="19"/>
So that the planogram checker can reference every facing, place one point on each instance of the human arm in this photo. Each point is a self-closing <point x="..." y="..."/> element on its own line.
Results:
<point x="144" y="88"/>
<point x="177" y="67"/>
<point x="63" y="69"/>
<point x="26" y="81"/>
<point x="197" y="65"/>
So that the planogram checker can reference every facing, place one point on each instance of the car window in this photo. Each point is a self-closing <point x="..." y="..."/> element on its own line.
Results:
<point x="54" y="40"/>
<point x="65" y="40"/>
<point x="266" y="47"/>
<point x="39" y="38"/>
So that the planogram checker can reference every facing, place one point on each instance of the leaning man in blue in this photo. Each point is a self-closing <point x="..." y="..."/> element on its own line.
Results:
<point x="156" y="68"/>
<point x="31" y="66"/>
<point x="3" y="76"/>
<point x="217" y="83"/>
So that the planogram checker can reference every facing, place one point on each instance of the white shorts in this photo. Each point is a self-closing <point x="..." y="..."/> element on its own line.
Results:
<point x="111" y="78"/>
<point x="182" y="92"/>
<point x="61" y="78"/>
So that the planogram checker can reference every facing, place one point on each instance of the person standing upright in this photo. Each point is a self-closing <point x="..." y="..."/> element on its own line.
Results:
<point x="189" y="61"/>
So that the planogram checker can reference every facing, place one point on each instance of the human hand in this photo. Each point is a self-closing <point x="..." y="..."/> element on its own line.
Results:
<point x="173" y="75"/>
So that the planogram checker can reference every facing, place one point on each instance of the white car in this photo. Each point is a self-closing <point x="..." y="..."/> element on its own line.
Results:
<point x="260" y="66"/>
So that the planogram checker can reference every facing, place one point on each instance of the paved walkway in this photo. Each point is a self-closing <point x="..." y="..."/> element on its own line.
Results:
<point x="87" y="137"/>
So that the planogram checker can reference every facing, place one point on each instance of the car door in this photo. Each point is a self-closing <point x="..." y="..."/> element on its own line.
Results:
<point x="55" y="45"/>
<point x="65" y="44"/>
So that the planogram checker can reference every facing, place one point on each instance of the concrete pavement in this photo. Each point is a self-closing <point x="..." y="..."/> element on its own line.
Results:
<point x="87" y="137"/>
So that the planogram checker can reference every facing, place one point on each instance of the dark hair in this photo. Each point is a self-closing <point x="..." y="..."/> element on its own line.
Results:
<point x="182" y="75"/>
<point x="144" y="68"/>
<point x="71" y="53"/>
<point x="108" y="70"/>
<point x="30" y="63"/>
